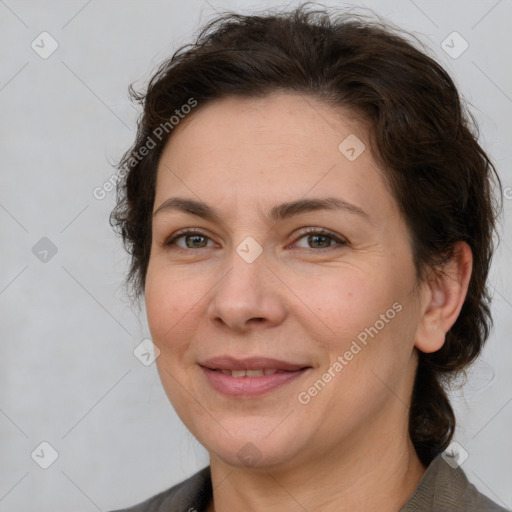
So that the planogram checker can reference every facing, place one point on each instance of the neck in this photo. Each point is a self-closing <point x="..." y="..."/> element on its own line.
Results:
<point x="371" y="478"/>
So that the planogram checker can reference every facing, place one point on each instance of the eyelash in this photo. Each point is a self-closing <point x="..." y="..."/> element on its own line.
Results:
<point x="308" y="231"/>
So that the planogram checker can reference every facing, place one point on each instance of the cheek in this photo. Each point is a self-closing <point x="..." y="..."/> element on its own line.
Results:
<point x="341" y="302"/>
<point x="170" y="301"/>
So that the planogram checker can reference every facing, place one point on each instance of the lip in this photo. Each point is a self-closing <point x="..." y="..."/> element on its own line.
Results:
<point x="250" y="386"/>
<point x="252" y="363"/>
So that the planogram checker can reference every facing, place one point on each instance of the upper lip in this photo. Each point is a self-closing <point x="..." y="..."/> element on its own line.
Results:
<point x="252" y="363"/>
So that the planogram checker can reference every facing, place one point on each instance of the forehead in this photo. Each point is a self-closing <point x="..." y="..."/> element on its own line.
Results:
<point x="285" y="144"/>
<point x="304" y="125"/>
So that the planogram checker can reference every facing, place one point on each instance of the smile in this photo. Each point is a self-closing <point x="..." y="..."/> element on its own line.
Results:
<point x="250" y="373"/>
<point x="245" y="384"/>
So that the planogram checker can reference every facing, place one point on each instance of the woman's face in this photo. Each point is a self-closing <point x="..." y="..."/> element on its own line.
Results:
<point x="299" y="262"/>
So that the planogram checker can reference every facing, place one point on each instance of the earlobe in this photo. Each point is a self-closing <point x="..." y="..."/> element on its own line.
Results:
<point x="444" y="296"/>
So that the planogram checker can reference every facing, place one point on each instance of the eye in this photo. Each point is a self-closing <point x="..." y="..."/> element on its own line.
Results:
<point x="320" y="239"/>
<point x="315" y="238"/>
<point x="192" y="240"/>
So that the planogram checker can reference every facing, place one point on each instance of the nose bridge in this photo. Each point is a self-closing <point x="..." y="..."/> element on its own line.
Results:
<point x="246" y="292"/>
<point x="244" y="282"/>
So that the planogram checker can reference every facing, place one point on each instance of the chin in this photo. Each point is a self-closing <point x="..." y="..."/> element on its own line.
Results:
<point x="253" y="443"/>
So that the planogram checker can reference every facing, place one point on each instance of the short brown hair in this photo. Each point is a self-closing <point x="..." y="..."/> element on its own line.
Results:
<point x="421" y="134"/>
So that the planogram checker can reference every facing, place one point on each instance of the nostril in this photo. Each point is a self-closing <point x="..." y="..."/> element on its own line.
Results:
<point x="258" y="319"/>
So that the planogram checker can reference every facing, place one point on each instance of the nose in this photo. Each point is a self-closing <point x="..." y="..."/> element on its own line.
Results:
<point x="247" y="297"/>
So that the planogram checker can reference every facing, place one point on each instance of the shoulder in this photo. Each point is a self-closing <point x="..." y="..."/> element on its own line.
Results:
<point x="445" y="488"/>
<point x="190" y="495"/>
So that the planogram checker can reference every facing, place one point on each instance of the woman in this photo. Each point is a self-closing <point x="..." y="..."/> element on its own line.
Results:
<point x="310" y="220"/>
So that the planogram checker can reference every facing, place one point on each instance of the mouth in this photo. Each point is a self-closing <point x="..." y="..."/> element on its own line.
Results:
<point x="249" y="373"/>
<point x="232" y="364"/>
<point x="250" y="377"/>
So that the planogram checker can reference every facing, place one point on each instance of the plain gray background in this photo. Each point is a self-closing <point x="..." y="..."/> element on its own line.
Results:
<point x="68" y="373"/>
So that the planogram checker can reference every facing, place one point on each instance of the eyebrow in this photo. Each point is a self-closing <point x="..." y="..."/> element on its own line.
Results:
<point x="277" y="213"/>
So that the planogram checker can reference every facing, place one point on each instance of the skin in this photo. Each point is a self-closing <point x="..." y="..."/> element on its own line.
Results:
<point x="303" y="300"/>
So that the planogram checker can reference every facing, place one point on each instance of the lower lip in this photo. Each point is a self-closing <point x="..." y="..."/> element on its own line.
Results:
<point x="249" y="386"/>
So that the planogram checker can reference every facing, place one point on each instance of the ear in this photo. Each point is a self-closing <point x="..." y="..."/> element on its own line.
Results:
<point x="443" y="297"/>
